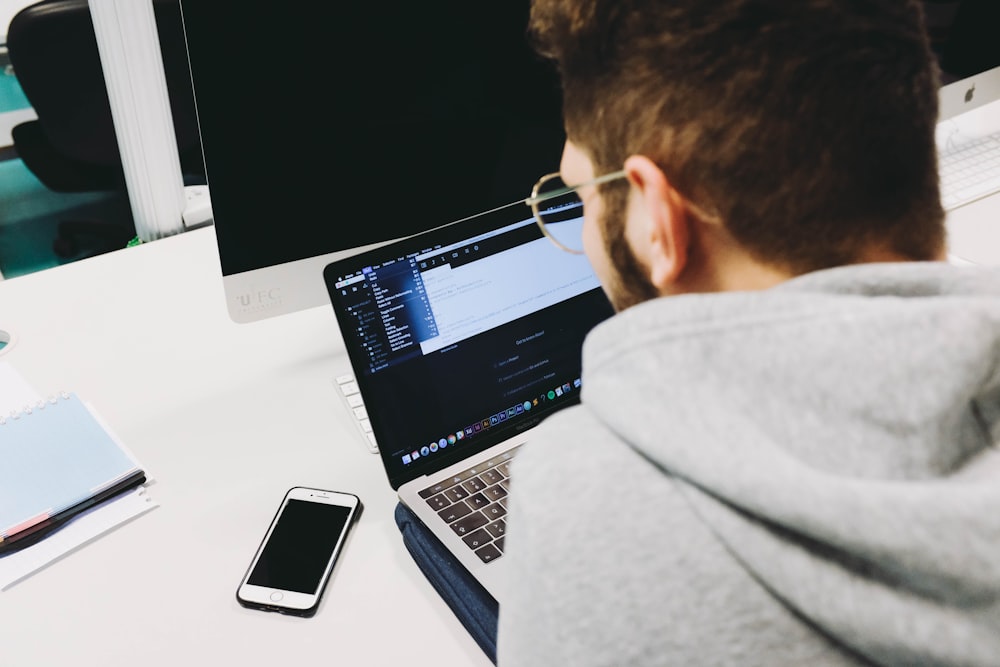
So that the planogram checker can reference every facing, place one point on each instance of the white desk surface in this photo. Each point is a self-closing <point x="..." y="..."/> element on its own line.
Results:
<point x="225" y="418"/>
<point x="974" y="231"/>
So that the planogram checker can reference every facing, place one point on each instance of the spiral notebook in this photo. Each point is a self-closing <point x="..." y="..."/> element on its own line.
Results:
<point x="59" y="460"/>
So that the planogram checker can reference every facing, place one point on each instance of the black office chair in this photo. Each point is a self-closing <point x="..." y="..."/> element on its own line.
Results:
<point x="72" y="147"/>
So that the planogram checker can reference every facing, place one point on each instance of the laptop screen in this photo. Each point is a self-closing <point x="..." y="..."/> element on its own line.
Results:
<point x="463" y="336"/>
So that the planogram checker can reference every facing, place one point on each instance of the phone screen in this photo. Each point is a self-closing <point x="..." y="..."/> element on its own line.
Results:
<point x="298" y="550"/>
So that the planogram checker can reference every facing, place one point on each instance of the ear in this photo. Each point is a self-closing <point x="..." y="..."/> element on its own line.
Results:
<point x="665" y="236"/>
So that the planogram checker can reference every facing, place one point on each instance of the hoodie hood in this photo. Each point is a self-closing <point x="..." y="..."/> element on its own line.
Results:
<point x="837" y="433"/>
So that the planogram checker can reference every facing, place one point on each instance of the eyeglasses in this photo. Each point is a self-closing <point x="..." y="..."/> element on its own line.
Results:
<point x="558" y="209"/>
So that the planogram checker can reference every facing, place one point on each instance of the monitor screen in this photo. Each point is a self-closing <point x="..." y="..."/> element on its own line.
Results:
<point x="963" y="36"/>
<point x="333" y="126"/>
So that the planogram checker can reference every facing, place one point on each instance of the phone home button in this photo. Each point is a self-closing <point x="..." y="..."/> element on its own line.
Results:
<point x="276" y="596"/>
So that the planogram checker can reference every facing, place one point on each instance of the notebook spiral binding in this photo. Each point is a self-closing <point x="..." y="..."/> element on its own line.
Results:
<point x="29" y="408"/>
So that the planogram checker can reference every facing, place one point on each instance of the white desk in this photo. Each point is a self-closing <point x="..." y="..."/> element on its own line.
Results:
<point x="225" y="418"/>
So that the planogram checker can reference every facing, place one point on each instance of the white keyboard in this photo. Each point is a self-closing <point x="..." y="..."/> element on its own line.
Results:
<point x="970" y="171"/>
<point x="352" y="397"/>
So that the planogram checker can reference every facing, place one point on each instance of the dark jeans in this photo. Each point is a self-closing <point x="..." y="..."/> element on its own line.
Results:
<point x="474" y="607"/>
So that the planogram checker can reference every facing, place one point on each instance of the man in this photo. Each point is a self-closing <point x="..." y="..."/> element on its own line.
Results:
<point x="786" y="448"/>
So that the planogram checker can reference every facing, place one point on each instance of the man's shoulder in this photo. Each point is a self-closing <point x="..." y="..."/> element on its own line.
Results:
<point x="586" y="456"/>
<point x="562" y="437"/>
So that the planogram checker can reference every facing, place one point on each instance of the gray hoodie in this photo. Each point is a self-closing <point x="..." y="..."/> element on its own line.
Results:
<point x="802" y="475"/>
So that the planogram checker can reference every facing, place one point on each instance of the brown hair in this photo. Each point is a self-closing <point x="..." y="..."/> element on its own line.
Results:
<point x="806" y="126"/>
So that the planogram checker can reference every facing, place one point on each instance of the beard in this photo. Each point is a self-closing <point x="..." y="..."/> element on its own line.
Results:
<point x="628" y="283"/>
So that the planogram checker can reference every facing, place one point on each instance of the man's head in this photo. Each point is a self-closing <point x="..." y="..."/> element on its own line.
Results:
<point x="799" y="133"/>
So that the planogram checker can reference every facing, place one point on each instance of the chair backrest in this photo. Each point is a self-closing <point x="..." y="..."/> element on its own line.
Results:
<point x="53" y="50"/>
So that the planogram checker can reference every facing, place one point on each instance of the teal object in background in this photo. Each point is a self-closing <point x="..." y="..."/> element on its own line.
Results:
<point x="11" y="96"/>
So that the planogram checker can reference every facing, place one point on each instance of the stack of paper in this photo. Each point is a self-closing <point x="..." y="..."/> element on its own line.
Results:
<point x="65" y="480"/>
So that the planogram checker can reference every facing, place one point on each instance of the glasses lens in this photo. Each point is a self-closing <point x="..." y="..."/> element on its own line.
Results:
<point x="561" y="213"/>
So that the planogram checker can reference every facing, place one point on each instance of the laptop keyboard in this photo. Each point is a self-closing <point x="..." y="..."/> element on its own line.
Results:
<point x="474" y="504"/>
<point x="970" y="171"/>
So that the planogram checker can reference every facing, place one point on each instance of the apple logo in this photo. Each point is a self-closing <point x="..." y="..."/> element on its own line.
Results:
<point x="969" y="93"/>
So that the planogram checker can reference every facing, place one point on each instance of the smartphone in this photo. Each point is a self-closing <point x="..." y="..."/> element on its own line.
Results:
<point x="296" y="557"/>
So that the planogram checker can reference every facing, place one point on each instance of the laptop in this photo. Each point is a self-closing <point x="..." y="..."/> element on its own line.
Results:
<point x="462" y="339"/>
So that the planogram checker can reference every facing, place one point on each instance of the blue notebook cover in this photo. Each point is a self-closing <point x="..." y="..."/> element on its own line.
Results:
<point x="57" y="459"/>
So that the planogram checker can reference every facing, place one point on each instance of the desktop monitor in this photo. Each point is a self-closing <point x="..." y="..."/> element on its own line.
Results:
<point x="964" y="37"/>
<point x="329" y="127"/>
